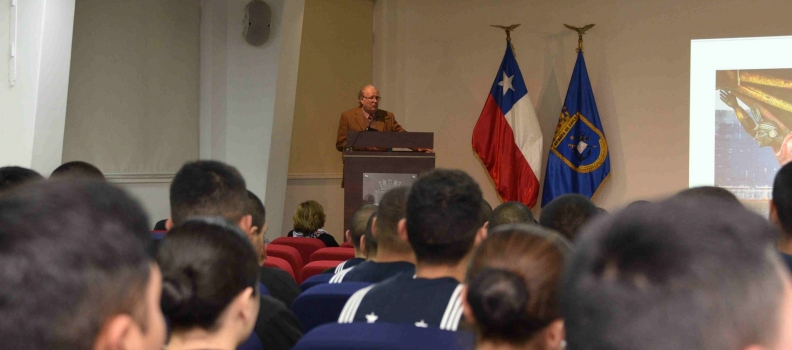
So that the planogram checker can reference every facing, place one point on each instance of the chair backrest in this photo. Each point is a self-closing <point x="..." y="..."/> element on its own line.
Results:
<point x="323" y="303"/>
<point x="334" y="253"/>
<point x="383" y="336"/>
<point x="317" y="267"/>
<point x="158" y="235"/>
<point x="315" y="280"/>
<point x="306" y="246"/>
<point x="347" y="245"/>
<point x="263" y="290"/>
<point x="273" y="261"/>
<point x="290" y="254"/>
<point x="252" y="343"/>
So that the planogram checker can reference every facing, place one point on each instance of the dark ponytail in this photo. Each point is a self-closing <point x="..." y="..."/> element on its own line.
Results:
<point x="206" y="263"/>
<point x="499" y="301"/>
<point x="514" y="282"/>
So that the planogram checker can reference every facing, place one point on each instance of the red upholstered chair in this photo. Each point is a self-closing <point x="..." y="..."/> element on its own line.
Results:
<point x="306" y="246"/>
<point x="281" y="264"/>
<point x="315" y="268"/>
<point x="347" y="245"/>
<point x="341" y="254"/>
<point x="290" y="254"/>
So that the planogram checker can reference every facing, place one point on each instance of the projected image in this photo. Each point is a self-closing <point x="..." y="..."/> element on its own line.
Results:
<point x="753" y="117"/>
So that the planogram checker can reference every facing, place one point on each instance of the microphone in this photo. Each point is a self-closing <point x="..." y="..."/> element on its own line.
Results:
<point x="368" y="128"/>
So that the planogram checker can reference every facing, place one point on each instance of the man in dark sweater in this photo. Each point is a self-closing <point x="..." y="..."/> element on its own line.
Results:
<point x="357" y="228"/>
<point x="280" y="284"/>
<point x="211" y="188"/>
<point x="394" y="254"/>
<point x="443" y="222"/>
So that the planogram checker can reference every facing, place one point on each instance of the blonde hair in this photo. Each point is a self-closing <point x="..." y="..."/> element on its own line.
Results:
<point x="309" y="217"/>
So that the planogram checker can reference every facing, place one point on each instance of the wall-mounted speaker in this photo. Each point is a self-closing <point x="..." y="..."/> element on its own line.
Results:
<point x="258" y="20"/>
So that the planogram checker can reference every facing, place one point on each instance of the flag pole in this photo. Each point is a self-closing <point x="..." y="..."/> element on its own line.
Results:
<point x="580" y="31"/>
<point x="508" y="30"/>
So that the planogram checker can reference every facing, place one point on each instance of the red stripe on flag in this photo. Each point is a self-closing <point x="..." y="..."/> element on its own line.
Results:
<point x="493" y="141"/>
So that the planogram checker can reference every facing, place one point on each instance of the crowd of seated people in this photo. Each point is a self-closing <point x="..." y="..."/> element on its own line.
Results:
<point x="80" y="270"/>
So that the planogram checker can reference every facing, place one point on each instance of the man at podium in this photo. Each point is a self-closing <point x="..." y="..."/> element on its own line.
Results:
<point x="367" y="116"/>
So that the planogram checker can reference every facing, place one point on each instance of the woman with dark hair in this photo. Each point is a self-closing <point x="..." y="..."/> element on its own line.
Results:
<point x="210" y="278"/>
<point x="308" y="222"/>
<point x="513" y="289"/>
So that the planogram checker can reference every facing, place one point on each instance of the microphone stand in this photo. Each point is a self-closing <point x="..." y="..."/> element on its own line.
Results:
<point x="351" y="147"/>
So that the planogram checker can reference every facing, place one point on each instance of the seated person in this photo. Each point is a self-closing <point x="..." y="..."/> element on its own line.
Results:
<point x="210" y="284"/>
<point x="211" y="188"/>
<point x="13" y="176"/>
<point x="280" y="283"/>
<point x="78" y="169"/>
<point x="394" y="254"/>
<point x="714" y="192"/>
<point x="567" y="214"/>
<point x="781" y="211"/>
<point x="514" y="283"/>
<point x="685" y="273"/>
<point x="76" y="273"/>
<point x="511" y="213"/>
<point x="369" y="241"/>
<point x="160" y="225"/>
<point x="354" y="235"/>
<point x="308" y="222"/>
<point x="444" y="221"/>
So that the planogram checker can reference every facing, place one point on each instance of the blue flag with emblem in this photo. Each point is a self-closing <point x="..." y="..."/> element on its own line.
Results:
<point x="578" y="160"/>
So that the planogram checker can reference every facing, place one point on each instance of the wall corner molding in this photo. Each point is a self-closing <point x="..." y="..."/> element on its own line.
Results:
<point x="315" y="176"/>
<point x="140" y="178"/>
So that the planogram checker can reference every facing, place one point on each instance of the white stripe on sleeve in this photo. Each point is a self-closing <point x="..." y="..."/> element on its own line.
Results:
<point x="352" y="305"/>
<point x="448" y="320"/>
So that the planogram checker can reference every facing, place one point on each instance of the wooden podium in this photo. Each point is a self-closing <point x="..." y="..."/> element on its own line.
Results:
<point x="369" y="174"/>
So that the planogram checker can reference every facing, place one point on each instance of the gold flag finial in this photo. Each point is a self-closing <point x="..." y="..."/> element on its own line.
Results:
<point x="580" y="32"/>
<point x="508" y="33"/>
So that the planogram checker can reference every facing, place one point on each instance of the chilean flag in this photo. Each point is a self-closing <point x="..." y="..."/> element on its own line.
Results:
<point x="507" y="137"/>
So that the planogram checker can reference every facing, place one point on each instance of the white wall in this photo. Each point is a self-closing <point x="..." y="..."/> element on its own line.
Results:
<point x="247" y="95"/>
<point x="134" y="86"/>
<point x="435" y="63"/>
<point x="33" y="110"/>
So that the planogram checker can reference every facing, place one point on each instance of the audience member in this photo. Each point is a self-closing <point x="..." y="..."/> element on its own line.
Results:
<point x="486" y="209"/>
<point x="75" y="272"/>
<point x="211" y="188"/>
<point x="710" y="192"/>
<point x="308" y="222"/>
<point x="781" y="211"/>
<point x="280" y="283"/>
<point x="511" y="213"/>
<point x="394" y="254"/>
<point x="78" y="169"/>
<point x="160" y="225"/>
<point x="638" y="203"/>
<point x="514" y="283"/>
<point x="258" y="225"/>
<point x="567" y="214"/>
<point x="354" y="235"/>
<point x="210" y="285"/>
<point x="443" y="224"/>
<point x="369" y="241"/>
<point x="685" y="273"/>
<point x="13" y="176"/>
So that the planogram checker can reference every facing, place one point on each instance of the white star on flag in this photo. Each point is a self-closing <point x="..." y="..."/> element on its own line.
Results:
<point x="506" y="83"/>
<point x="371" y="318"/>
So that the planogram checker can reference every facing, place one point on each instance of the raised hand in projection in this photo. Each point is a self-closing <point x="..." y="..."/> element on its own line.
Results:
<point x="745" y="119"/>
